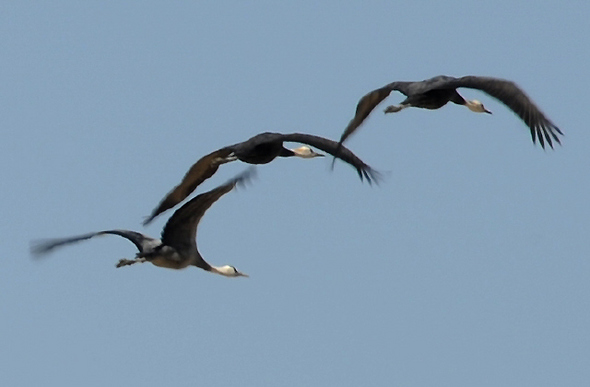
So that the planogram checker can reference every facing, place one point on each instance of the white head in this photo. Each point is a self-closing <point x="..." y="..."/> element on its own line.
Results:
<point x="306" y="152"/>
<point x="476" y="106"/>
<point x="228" y="271"/>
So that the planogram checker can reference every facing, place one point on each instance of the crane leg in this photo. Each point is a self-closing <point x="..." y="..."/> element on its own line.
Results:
<point x="394" y="108"/>
<point x="223" y="160"/>
<point x="127" y="262"/>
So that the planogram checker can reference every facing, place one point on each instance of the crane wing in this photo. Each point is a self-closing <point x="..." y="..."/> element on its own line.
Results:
<point x="181" y="229"/>
<point x="338" y="151"/>
<point x="516" y="99"/>
<point x="364" y="107"/>
<point x="198" y="173"/>
<point x="373" y="98"/>
<point x="142" y="242"/>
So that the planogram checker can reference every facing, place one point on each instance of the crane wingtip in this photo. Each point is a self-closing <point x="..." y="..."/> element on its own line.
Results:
<point x="147" y="220"/>
<point x="245" y="177"/>
<point x="40" y="247"/>
<point x="372" y="176"/>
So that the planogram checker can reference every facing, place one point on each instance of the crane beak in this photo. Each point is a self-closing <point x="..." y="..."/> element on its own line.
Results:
<point x="240" y="274"/>
<point x="486" y="111"/>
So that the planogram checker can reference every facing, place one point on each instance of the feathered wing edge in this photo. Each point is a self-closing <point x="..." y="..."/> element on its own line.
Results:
<point x="338" y="151"/>
<point x="45" y="246"/>
<point x="181" y="229"/>
<point x="200" y="171"/>
<point x="519" y="102"/>
<point x="364" y="107"/>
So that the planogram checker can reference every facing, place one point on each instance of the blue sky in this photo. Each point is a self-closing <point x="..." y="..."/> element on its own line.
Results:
<point x="468" y="265"/>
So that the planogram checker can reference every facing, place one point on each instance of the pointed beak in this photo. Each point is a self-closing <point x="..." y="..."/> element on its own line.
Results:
<point x="487" y="111"/>
<point x="243" y="275"/>
<point x="319" y="154"/>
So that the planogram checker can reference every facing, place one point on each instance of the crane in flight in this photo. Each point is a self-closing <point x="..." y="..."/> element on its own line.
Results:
<point x="260" y="149"/>
<point x="436" y="92"/>
<point x="177" y="249"/>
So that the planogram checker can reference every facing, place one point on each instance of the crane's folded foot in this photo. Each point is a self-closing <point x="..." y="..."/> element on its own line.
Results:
<point x="127" y="262"/>
<point x="393" y="109"/>
<point x="223" y="160"/>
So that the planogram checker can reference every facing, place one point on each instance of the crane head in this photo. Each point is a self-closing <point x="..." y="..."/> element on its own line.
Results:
<point x="476" y="106"/>
<point x="306" y="152"/>
<point x="229" y="271"/>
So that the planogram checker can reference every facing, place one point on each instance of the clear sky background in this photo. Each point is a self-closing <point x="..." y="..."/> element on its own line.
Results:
<point x="468" y="266"/>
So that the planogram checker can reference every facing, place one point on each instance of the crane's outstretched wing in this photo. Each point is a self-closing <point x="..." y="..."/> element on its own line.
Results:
<point x="142" y="242"/>
<point x="181" y="229"/>
<point x="198" y="173"/>
<point x="516" y="99"/>
<point x="338" y="151"/>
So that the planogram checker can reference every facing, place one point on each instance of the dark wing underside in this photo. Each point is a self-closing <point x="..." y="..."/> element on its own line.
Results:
<point x="198" y="173"/>
<point x="48" y="245"/>
<point x="336" y="150"/>
<point x="180" y="231"/>
<point x="515" y="98"/>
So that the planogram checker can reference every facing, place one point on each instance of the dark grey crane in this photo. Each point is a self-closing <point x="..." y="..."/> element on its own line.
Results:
<point x="260" y="149"/>
<point x="436" y="92"/>
<point x="178" y="247"/>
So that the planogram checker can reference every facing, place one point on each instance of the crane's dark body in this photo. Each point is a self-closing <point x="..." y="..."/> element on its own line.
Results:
<point x="177" y="247"/>
<point x="260" y="149"/>
<point x="436" y="92"/>
<point x="434" y="99"/>
<point x="430" y="94"/>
